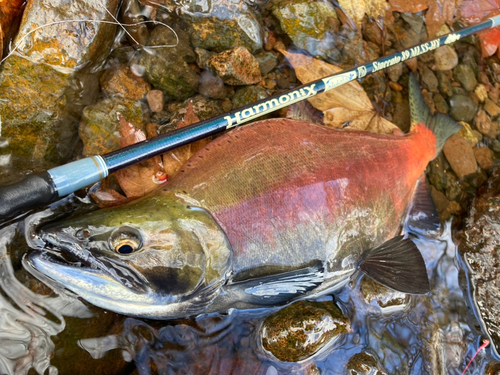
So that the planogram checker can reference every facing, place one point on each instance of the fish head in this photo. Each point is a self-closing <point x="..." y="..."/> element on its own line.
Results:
<point x="157" y="257"/>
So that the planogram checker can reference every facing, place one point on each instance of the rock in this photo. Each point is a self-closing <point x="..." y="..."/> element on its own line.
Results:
<point x="440" y="103"/>
<point x="453" y="188"/>
<point x="401" y="115"/>
<point x="306" y="23"/>
<point x="387" y="299"/>
<point x="482" y="122"/>
<point x="478" y="246"/>
<point x="166" y="68"/>
<point x="223" y="25"/>
<point x="247" y="95"/>
<point x="236" y="67"/>
<point x="462" y="108"/>
<point x="490" y="107"/>
<point x="203" y="108"/>
<point x="363" y="364"/>
<point x="468" y="134"/>
<point x="48" y="81"/>
<point x="445" y="57"/>
<point x="155" y="100"/>
<point x="119" y="80"/>
<point x="212" y="86"/>
<point x="444" y="84"/>
<point x="99" y="129"/>
<point x="436" y="175"/>
<point x="481" y="92"/>
<point x="132" y="18"/>
<point x="395" y="72"/>
<point x="301" y="329"/>
<point x="465" y="75"/>
<point x="202" y="56"/>
<point x="460" y="155"/>
<point x="267" y="62"/>
<point x="484" y="157"/>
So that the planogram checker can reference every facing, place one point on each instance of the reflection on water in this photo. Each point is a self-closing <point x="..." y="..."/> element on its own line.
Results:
<point x="423" y="334"/>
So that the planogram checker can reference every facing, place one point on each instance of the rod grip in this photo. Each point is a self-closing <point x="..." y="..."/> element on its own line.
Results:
<point x="33" y="190"/>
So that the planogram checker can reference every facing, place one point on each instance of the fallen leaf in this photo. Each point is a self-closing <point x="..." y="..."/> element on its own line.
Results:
<point x="141" y="178"/>
<point x="408" y="6"/>
<point x="356" y="9"/>
<point x="173" y="160"/>
<point x="10" y="10"/>
<point x="490" y="41"/>
<point x="109" y="198"/>
<point x="439" y="13"/>
<point x="347" y="106"/>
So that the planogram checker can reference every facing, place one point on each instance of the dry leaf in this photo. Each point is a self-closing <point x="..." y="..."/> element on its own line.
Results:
<point x="439" y="13"/>
<point x="408" y="6"/>
<point x="173" y="160"/>
<point x="356" y="9"/>
<point x="138" y="179"/>
<point x="347" y="105"/>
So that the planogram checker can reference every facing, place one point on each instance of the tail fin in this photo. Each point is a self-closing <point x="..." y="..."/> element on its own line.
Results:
<point x="443" y="126"/>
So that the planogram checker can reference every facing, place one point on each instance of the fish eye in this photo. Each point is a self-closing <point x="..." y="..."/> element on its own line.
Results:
<point x="125" y="240"/>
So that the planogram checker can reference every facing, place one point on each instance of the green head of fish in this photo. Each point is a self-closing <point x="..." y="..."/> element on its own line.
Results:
<point x="156" y="257"/>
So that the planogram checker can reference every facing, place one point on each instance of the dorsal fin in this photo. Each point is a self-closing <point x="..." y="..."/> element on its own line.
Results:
<point x="397" y="264"/>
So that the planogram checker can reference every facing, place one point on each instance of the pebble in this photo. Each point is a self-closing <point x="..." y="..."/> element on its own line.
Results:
<point x="236" y="67"/>
<point x="202" y="56"/>
<point x="428" y="78"/>
<point x="387" y="299"/>
<point x="155" y="100"/>
<point x="465" y="75"/>
<point x="120" y="81"/>
<point x="462" y="108"/>
<point x="469" y="134"/>
<point x="395" y="72"/>
<point x="483" y="122"/>
<point x="445" y="57"/>
<point x="494" y="93"/>
<point x="267" y="62"/>
<point x="453" y="188"/>
<point x="441" y="203"/>
<point x="444" y="84"/>
<point x="484" y="157"/>
<point x="481" y="92"/>
<point x="460" y="155"/>
<point x="490" y="107"/>
<point x="363" y="364"/>
<point x="212" y="86"/>
<point x="440" y="103"/>
<point x="395" y="86"/>
<point x="412" y="64"/>
<point x="247" y="95"/>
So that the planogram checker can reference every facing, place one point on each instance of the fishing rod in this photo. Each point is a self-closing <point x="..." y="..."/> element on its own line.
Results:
<point x="39" y="189"/>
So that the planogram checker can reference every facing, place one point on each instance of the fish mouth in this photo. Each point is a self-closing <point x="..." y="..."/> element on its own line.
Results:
<point x="61" y="252"/>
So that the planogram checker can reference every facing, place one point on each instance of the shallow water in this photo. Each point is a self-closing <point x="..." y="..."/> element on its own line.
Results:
<point x="54" y="332"/>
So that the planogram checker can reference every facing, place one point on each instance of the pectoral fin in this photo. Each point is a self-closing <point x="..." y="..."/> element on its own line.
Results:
<point x="397" y="264"/>
<point x="279" y="288"/>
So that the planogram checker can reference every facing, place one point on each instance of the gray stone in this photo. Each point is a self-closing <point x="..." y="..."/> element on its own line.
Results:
<point x="212" y="86"/>
<point x="267" y="62"/>
<point x="166" y="68"/>
<point x="440" y="103"/>
<point x="465" y="75"/>
<point x="445" y="57"/>
<point x="462" y="108"/>
<point x="428" y="78"/>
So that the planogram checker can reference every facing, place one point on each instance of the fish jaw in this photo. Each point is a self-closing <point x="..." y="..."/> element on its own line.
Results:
<point x="179" y="265"/>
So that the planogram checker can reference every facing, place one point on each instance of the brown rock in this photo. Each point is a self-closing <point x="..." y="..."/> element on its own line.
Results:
<point x="460" y="155"/>
<point x="441" y="203"/>
<point x="412" y="64"/>
<point x="481" y="92"/>
<point x="155" y="100"/>
<point x="482" y="122"/>
<point x="490" y="107"/>
<point x="236" y="67"/>
<point x="120" y="81"/>
<point x="484" y="157"/>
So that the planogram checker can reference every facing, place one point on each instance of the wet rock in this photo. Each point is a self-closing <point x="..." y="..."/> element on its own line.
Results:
<point x="440" y="103"/>
<point x="436" y="174"/>
<point x="484" y="157"/>
<point x="478" y="246"/>
<point x="445" y="57"/>
<point x="120" y="81"/>
<point x="481" y="92"/>
<point x="203" y="108"/>
<point x="99" y="129"/>
<point x="166" y="68"/>
<point x="482" y="122"/>
<point x="460" y="155"/>
<point x="131" y="15"/>
<point x="453" y="188"/>
<point x="202" y="56"/>
<point x="441" y="203"/>
<point x="48" y="81"/>
<point x="247" y="95"/>
<point x="388" y="299"/>
<point x="490" y="107"/>
<point x="155" y="100"/>
<point x="468" y="133"/>
<point x="364" y="364"/>
<point x="267" y="62"/>
<point x="306" y="23"/>
<point x="301" y="329"/>
<point x="462" y="108"/>
<point x="223" y="25"/>
<point x="444" y="84"/>
<point x="428" y="78"/>
<point x="236" y="67"/>
<point x="465" y="75"/>
<point x="212" y="86"/>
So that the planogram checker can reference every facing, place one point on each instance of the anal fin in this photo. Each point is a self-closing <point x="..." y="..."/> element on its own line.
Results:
<point x="397" y="264"/>
<point x="423" y="218"/>
<point x="279" y="288"/>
